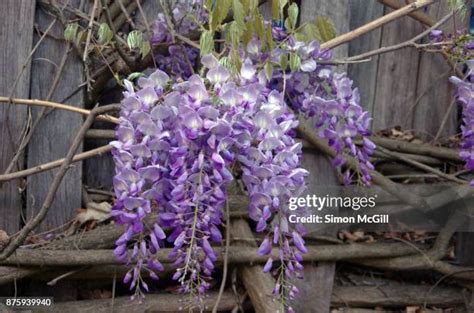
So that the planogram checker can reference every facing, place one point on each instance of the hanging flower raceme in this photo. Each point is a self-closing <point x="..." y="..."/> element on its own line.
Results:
<point x="137" y="169"/>
<point x="465" y="95"/>
<point x="317" y="92"/>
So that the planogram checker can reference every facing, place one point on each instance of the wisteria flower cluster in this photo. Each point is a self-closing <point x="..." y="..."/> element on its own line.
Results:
<point x="176" y="150"/>
<point x="184" y="138"/>
<point x="465" y="95"/>
<point x="317" y="92"/>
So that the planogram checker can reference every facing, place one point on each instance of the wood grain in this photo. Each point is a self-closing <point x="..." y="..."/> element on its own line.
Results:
<point x="434" y="92"/>
<point x="16" y="36"/>
<point x="57" y="129"/>
<point x="365" y="74"/>
<point x="396" y="76"/>
<point x="316" y="287"/>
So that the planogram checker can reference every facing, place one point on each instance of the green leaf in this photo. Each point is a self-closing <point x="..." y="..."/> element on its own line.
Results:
<point x="248" y="33"/>
<point x="219" y="13"/>
<point x="227" y="63"/>
<point x="295" y="62"/>
<point x="206" y="42"/>
<point x="253" y="7"/>
<point x="325" y="29"/>
<point x="283" y="4"/>
<point x="283" y="62"/>
<point x="269" y="38"/>
<point x="71" y="31"/>
<point x="239" y="13"/>
<point x="235" y="33"/>
<point x="134" y="39"/>
<point x="80" y="37"/>
<point x="276" y="10"/>
<point x="145" y="48"/>
<point x="236" y="60"/>
<point x="135" y="75"/>
<point x="268" y="70"/>
<point x="301" y="37"/>
<point x="260" y="29"/>
<point x="293" y="12"/>
<point x="105" y="34"/>
<point x="208" y="5"/>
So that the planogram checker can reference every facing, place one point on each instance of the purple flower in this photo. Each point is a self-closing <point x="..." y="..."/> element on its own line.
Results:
<point x="265" y="247"/>
<point x="465" y="96"/>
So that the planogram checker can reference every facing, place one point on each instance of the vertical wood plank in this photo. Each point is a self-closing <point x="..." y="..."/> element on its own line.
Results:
<point x="434" y="93"/>
<point x="397" y="76"/>
<point x="316" y="288"/>
<point x="365" y="74"/>
<point x="16" y="36"/>
<point x="57" y="129"/>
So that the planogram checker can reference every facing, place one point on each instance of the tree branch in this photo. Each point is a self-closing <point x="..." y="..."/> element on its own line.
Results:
<point x="339" y="40"/>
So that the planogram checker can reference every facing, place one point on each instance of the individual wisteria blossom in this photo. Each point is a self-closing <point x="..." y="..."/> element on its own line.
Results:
<point x="465" y="95"/>
<point x="180" y="59"/>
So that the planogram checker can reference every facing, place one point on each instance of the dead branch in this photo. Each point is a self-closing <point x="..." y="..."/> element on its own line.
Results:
<point x="362" y="296"/>
<point x="431" y="260"/>
<point x="237" y="254"/>
<point x="417" y="15"/>
<point x="151" y="303"/>
<point x="395" y="296"/>
<point x="422" y="166"/>
<point x="420" y="149"/>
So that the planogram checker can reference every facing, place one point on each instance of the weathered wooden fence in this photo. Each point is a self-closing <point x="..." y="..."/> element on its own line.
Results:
<point x="406" y="88"/>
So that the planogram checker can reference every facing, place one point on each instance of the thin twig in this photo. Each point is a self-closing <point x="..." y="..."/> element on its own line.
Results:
<point x="89" y="32"/>
<point x="55" y="280"/>
<point x="56" y="105"/>
<point x="126" y="14"/>
<point x="226" y="259"/>
<point x="54" y="164"/>
<point x="446" y="117"/>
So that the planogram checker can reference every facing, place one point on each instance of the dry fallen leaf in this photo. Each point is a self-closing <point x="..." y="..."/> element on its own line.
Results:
<point x="95" y="212"/>
<point x="412" y="309"/>
<point x="4" y="239"/>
